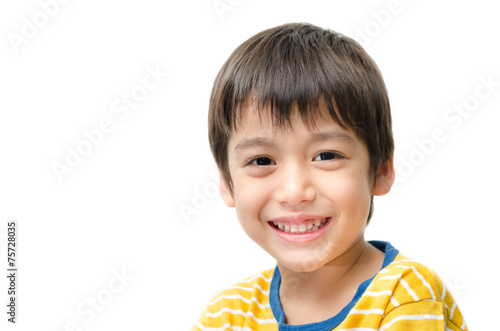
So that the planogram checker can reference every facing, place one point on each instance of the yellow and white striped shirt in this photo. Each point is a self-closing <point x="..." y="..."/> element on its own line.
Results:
<point x="404" y="295"/>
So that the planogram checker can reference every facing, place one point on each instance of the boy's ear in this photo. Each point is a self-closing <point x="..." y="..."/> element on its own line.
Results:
<point x="385" y="177"/>
<point x="225" y="192"/>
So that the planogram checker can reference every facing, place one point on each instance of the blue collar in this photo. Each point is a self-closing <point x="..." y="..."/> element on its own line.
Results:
<point x="331" y="323"/>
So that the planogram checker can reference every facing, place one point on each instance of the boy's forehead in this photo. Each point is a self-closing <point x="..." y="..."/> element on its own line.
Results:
<point x="252" y="119"/>
<point x="257" y="128"/>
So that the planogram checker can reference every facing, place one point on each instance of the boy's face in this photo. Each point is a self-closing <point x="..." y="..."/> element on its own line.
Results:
<point x="302" y="194"/>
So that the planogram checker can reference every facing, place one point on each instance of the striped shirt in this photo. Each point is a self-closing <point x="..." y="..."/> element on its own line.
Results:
<point x="403" y="295"/>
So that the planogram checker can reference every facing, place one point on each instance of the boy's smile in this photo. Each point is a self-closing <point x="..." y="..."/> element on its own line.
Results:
<point x="302" y="193"/>
<point x="299" y="228"/>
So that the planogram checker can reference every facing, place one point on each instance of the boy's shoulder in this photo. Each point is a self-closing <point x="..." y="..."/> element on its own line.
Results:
<point x="407" y="287"/>
<point x="245" y="303"/>
<point x="409" y="281"/>
<point x="251" y="291"/>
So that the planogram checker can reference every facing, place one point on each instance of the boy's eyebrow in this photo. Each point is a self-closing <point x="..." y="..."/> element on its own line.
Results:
<point x="253" y="142"/>
<point x="332" y="135"/>
<point x="264" y="142"/>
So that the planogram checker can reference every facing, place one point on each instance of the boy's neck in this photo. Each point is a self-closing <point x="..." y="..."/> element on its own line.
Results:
<point x="308" y="297"/>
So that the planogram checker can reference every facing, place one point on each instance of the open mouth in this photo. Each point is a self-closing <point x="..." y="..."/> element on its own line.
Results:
<point x="301" y="228"/>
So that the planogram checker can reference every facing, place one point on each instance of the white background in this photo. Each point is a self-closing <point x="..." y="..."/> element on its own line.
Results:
<point x="119" y="209"/>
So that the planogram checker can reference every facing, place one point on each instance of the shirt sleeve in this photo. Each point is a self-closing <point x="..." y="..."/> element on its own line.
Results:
<point x="420" y="315"/>
<point x="201" y="323"/>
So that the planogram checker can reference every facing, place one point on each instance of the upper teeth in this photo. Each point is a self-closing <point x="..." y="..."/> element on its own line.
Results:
<point x="311" y="225"/>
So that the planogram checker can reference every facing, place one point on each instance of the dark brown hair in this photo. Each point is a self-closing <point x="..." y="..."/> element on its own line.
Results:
<point x="300" y="66"/>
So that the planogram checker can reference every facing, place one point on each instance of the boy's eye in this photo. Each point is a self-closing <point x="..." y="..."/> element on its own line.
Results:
<point x="326" y="156"/>
<point x="262" y="161"/>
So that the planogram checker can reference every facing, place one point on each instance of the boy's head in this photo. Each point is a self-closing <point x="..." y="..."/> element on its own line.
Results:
<point x="300" y="70"/>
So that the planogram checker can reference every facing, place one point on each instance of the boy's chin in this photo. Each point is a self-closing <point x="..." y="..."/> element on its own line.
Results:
<point x="300" y="264"/>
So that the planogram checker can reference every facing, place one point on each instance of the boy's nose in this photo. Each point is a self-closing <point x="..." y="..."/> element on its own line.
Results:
<point x="295" y="187"/>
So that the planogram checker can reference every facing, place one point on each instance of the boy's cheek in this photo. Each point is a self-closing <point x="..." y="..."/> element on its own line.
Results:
<point x="344" y="185"/>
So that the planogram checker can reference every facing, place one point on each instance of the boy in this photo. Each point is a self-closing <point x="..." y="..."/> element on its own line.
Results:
<point x="300" y="128"/>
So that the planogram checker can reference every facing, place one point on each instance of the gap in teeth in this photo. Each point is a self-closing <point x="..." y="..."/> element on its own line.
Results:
<point x="301" y="228"/>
